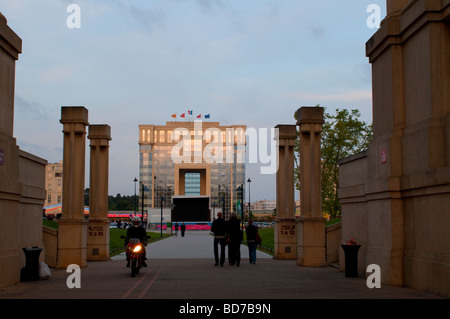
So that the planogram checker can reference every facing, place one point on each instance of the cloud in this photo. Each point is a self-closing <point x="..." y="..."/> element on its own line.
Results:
<point x="57" y="74"/>
<point x="346" y="96"/>
<point x="31" y="109"/>
<point x="145" y="18"/>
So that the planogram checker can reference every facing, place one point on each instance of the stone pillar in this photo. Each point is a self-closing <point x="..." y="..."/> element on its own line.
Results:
<point x="311" y="225"/>
<point x="98" y="227"/>
<point x="72" y="230"/>
<point x="285" y="224"/>
<point x="395" y="6"/>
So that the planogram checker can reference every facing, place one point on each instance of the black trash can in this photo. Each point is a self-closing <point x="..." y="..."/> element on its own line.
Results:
<point x="31" y="270"/>
<point x="351" y="260"/>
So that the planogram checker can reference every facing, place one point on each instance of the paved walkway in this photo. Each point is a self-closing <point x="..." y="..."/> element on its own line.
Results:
<point x="183" y="268"/>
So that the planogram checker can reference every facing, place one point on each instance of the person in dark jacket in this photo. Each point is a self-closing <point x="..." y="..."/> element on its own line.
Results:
<point x="234" y="240"/>
<point x="183" y="229"/>
<point x="137" y="231"/>
<point x="251" y="231"/>
<point x="219" y="228"/>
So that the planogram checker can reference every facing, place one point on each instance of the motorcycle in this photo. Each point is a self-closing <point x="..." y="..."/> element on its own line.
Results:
<point x="135" y="250"/>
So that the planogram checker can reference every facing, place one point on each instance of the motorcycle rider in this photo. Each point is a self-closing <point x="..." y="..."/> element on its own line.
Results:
<point x="137" y="231"/>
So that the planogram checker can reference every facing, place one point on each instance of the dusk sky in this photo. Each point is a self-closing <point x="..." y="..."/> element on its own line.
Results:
<point x="252" y="62"/>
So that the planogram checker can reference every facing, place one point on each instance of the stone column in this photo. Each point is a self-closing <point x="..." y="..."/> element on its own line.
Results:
<point x="285" y="224"/>
<point x="311" y="225"/>
<point x="98" y="227"/>
<point x="72" y="230"/>
<point x="395" y="6"/>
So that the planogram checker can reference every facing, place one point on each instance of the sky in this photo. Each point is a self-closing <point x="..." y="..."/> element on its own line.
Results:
<point x="131" y="62"/>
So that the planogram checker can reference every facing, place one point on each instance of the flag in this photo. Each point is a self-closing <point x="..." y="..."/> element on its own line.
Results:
<point x="199" y="116"/>
<point x="182" y="115"/>
<point x="190" y="112"/>
<point x="207" y="116"/>
<point x="174" y="115"/>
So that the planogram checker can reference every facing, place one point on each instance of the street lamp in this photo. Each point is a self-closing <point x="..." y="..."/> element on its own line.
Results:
<point x="142" y="203"/>
<point x="135" y="181"/>
<point x="162" y="200"/>
<point x="249" y="201"/>
<point x="241" y="188"/>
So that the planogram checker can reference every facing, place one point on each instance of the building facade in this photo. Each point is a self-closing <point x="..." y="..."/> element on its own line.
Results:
<point x="188" y="159"/>
<point x="53" y="183"/>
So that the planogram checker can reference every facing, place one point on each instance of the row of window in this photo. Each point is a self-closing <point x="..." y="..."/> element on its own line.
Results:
<point x="49" y="199"/>
<point x="213" y="134"/>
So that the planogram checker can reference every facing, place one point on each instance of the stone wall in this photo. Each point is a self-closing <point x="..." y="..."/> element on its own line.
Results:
<point x="395" y="196"/>
<point x="22" y="184"/>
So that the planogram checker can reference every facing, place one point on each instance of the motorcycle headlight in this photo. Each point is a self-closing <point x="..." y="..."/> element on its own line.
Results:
<point x="137" y="248"/>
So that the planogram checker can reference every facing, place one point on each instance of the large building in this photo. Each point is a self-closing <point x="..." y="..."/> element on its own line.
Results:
<point x="53" y="183"/>
<point x="192" y="169"/>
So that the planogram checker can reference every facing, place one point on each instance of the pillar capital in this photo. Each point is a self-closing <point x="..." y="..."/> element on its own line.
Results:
<point x="99" y="131"/>
<point x="74" y="115"/>
<point x="395" y="6"/>
<point x="309" y="115"/>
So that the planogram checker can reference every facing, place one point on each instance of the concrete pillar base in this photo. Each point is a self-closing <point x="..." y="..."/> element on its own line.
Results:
<point x="285" y="239"/>
<point x="72" y="243"/>
<point x="98" y="240"/>
<point x="311" y="242"/>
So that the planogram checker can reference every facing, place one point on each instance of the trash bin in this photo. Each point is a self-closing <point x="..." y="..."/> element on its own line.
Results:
<point x="351" y="260"/>
<point x="31" y="270"/>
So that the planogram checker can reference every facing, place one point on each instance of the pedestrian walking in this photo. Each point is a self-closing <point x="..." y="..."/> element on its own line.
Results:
<point x="252" y="234"/>
<point x="234" y="240"/>
<point x="176" y="229"/>
<point x="183" y="229"/>
<point x="219" y="229"/>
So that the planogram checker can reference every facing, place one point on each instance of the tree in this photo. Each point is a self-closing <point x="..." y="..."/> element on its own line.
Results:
<point x="343" y="134"/>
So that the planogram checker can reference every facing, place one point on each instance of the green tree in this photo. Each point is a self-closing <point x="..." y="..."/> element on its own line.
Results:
<point x="343" y="135"/>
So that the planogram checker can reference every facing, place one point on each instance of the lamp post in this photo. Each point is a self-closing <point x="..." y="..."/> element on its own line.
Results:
<point x="214" y="205"/>
<point x="142" y="204"/>
<point x="162" y="200"/>
<point x="241" y="188"/>
<point x="249" y="201"/>
<point x="135" y="181"/>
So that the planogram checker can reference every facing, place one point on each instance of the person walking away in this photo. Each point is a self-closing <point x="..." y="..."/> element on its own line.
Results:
<point x="183" y="229"/>
<point x="234" y="240"/>
<point x="251" y="232"/>
<point x="219" y="229"/>
<point x="176" y="229"/>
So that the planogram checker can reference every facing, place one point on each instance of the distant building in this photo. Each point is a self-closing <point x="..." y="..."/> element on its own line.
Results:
<point x="203" y="178"/>
<point x="53" y="183"/>
<point x="264" y="205"/>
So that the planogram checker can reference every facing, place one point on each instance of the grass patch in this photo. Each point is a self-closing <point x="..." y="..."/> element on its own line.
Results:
<point x="333" y="221"/>
<point x="267" y="239"/>
<point x="50" y="223"/>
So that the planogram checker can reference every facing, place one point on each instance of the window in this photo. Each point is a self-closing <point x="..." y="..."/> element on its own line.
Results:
<point x="192" y="184"/>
